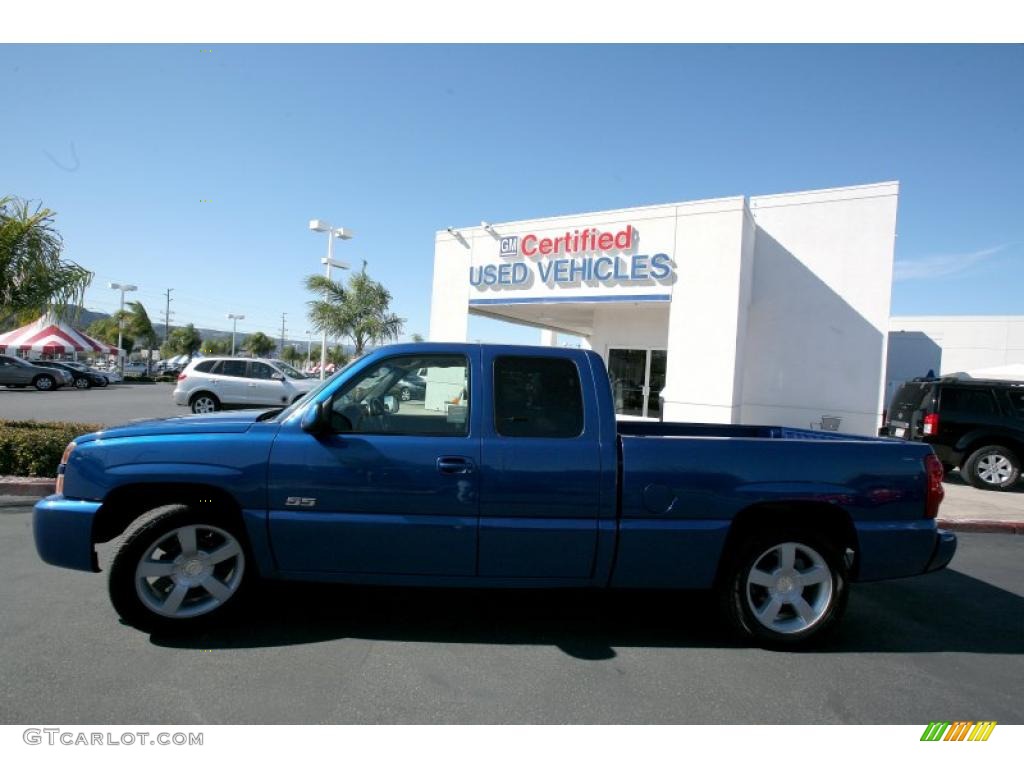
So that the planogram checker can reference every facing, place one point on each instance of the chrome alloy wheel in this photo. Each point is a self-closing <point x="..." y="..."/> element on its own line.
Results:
<point x="789" y="588"/>
<point x="190" y="571"/>
<point x="81" y="383"/>
<point x="203" y="404"/>
<point x="994" y="468"/>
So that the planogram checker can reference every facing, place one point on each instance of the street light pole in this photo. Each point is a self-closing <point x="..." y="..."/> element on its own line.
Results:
<point x="234" y="327"/>
<point x="122" y="287"/>
<point x="318" y="225"/>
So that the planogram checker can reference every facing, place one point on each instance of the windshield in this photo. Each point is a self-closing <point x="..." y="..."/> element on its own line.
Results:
<point x="288" y="371"/>
<point x="311" y="394"/>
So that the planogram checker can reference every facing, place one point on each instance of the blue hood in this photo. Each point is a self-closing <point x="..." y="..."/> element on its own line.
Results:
<point x="226" y="422"/>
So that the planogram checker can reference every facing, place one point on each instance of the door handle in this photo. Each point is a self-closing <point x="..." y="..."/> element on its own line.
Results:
<point x="454" y="465"/>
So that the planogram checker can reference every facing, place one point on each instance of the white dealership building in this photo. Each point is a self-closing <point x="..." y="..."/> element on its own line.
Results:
<point x="771" y="309"/>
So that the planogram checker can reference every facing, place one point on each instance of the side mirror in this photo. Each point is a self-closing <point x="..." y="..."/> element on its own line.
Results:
<point x="314" y="419"/>
<point x="391" y="403"/>
<point x="277" y="376"/>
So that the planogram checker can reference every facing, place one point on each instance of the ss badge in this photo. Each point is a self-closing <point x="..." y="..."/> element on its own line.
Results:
<point x="298" y="501"/>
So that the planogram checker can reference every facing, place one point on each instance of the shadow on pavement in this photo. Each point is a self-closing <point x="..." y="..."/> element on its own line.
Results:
<point x="945" y="611"/>
<point x="955" y="478"/>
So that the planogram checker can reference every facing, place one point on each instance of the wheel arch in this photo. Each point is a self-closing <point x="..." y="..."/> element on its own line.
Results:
<point x="193" y="395"/>
<point x="128" y="503"/>
<point x="975" y="440"/>
<point x="829" y="520"/>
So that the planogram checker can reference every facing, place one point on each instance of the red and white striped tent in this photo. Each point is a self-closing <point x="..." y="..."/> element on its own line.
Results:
<point x="49" y="336"/>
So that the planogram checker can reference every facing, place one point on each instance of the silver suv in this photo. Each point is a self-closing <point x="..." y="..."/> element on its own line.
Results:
<point x="15" y="372"/>
<point x="211" y="383"/>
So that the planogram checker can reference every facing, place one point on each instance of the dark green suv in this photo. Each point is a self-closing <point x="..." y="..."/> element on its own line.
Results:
<point x="972" y="424"/>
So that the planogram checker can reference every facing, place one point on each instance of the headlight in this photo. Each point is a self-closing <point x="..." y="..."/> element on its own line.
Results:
<point x="63" y="465"/>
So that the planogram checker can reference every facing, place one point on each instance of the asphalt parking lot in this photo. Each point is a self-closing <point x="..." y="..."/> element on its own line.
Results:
<point x="111" y="405"/>
<point x="949" y="645"/>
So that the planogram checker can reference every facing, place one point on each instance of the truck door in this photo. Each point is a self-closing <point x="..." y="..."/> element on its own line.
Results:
<point x="540" y="467"/>
<point x="393" y="488"/>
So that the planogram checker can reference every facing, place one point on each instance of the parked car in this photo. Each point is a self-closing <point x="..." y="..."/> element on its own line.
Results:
<point x="109" y="377"/>
<point x="972" y="424"/>
<point x="522" y="478"/>
<point x="410" y="387"/>
<point x="18" y="373"/>
<point x="213" y="383"/>
<point x="133" y="370"/>
<point x="80" y="379"/>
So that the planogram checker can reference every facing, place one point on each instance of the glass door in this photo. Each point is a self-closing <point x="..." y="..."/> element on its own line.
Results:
<point x="655" y="381"/>
<point x="637" y="376"/>
<point x="627" y="369"/>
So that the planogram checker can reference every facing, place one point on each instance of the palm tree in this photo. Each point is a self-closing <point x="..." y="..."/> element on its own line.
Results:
<point x="137" y="323"/>
<point x="258" y="344"/>
<point x="358" y="311"/>
<point x="105" y="329"/>
<point x="33" y="277"/>
<point x="182" y="341"/>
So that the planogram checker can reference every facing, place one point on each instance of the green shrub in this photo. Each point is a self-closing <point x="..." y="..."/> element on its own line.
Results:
<point x="34" y="448"/>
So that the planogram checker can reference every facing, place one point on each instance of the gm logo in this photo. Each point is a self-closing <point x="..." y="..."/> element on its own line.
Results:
<point x="509" y="246"/>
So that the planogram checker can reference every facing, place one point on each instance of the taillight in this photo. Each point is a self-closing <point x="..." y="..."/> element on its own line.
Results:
<point x="931" y="424"/>
<point x="181" y="377"/>
<point x="933" y="472"/>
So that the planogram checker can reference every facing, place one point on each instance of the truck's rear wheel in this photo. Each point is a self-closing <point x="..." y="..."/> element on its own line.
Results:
<point x="179" y="571"/>
<point x="785" y="589"/>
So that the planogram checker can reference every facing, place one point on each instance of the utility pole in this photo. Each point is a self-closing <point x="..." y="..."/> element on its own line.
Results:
<point x="282" y="334"/>
<point x="167" y="314"/>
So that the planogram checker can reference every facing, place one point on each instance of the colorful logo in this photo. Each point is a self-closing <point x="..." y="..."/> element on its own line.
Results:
<point x="961" y="730"/>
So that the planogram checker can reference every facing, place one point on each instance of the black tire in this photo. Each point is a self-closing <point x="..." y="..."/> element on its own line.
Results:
<point x="134" y="598"/>
<point x="82" y="383"/>
<point x="198" y="402"/>
<point x="44" y="383"/>
<point x="825" y="600"/>
<point x="406" y="394"/>
<point x="992" y="468"/>
<point x="103" y="384"/>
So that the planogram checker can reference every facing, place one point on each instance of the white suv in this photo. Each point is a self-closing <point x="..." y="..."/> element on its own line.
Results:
<point x="210" y="383"/>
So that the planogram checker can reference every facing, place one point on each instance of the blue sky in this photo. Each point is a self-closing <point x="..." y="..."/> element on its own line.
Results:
<point x="398" y="142"/>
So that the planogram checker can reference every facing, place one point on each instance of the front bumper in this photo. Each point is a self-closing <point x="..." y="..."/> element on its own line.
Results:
<point x="62" y="529"/>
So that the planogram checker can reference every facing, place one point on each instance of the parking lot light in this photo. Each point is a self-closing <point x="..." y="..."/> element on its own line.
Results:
<point x="123" y="288"/>
<point x="234" y="327"/>
<point x="319" y="225"/>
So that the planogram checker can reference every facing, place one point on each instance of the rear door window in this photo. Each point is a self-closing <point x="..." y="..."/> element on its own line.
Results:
<point x="207" y="366"/>
<point x="537" y="397"/>
<point x="233" y="368"/>
<point x="1017" y="402"/>
<point x="968" y="401"/>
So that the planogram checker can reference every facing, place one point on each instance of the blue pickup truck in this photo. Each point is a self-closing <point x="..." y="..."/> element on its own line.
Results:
<point x="508" y="469"/>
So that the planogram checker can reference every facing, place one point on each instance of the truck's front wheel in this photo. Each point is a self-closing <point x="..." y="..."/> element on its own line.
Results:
<point x="180" y="570"/>
<point x="785" y="589"/>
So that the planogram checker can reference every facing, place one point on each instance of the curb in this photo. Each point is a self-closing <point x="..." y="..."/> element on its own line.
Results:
<point x="28" y="486"/>
<point x="984" y="526"/>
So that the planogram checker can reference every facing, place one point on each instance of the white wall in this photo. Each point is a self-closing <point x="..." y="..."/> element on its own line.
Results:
<point x="949" y="343"/>
<point x="819" y="314"/>
<point x="703" y="328"/>
<point x="449" y="312"/>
